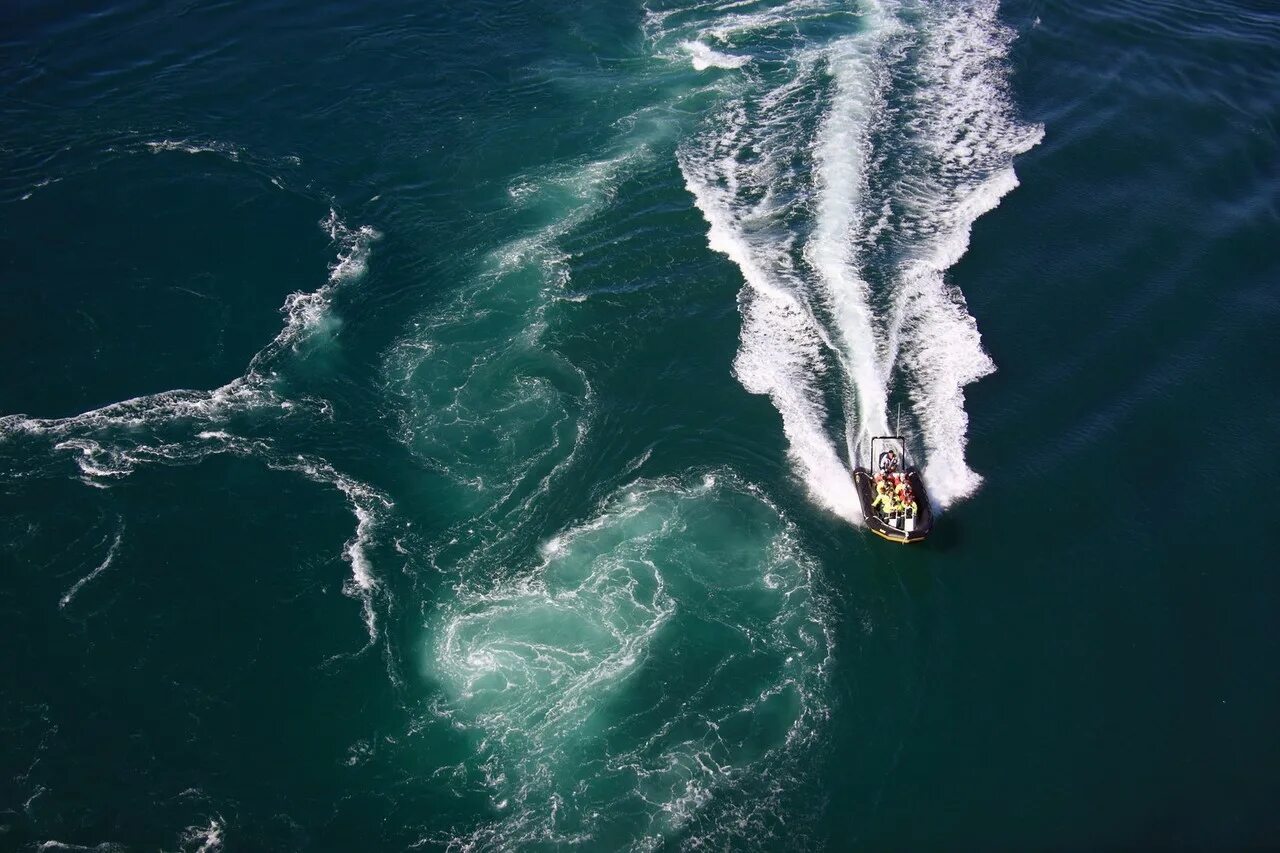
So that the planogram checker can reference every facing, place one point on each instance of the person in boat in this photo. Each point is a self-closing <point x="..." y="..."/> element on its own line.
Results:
<point x="899" y="494"/>
<point x="883" y="498"/>
<point x="888" y="462"/>
<point x="908" y="500"/>
<point x="893" y="504"/>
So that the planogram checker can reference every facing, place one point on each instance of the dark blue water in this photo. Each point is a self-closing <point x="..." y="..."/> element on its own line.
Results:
<point x="430" y="427"/>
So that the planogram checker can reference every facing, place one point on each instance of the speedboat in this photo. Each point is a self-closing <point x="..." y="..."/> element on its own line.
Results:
<point x="889" y="517"/>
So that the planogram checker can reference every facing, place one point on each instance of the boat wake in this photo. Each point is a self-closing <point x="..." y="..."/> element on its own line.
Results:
<point x="842" y="174"/>
<point x="656" y="674"/>
<point x="844" y="157"/>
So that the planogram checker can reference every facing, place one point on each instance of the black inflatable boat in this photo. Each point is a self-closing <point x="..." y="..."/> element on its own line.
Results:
<point x="879" y="490"/>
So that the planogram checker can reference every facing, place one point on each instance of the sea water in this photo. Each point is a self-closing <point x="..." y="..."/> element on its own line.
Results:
<point x="429" y="426"/>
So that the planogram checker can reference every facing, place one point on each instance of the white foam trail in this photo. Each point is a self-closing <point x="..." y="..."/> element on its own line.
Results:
<point x="182" y="427"/>
<point x="38" y="185"/>
<point x="784" y="346"/>
<point x="227" y="150"/>
<point x="703" y="57"/>
<point x="191" y="146"/>
<point x="307" y="313"/>
<point x="353" y="246"/>
<point x="304" y="313"/>
<point x="951" y="136"/>
<point x="735" y="26"/>
<point x="367" y="505"/>
<point x="139" y="412"/>
<point x="944" y="354"/>
<point x="781" y="355"/>
<point x="208" y="837"/>
<point x="842" y="151"/>
<point x="969" y="137"/>
<point x="101" y="567"/>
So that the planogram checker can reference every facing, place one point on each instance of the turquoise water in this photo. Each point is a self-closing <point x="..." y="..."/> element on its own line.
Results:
<point x="429" y="427"/>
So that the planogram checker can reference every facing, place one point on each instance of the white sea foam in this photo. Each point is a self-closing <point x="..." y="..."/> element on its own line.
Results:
<point x="782" y="355"/>
<point x="968" y="137"/>
<point x="39" y="185"/>
<point x="99" y="569"/>
<point x="203" y="839"/>
<point x="842" y="151"/>
<point x="227" y="150"/>
<point x="734" y="175"/>
<point x="945" y="155"/>
<point x="182" y="427"/>
<point x="543" y="664"/>
<point x="703" y="57"/>
<point x="353" y="245"/>
<point x="309" y="313"/>
<point x="195" y="146"/>
<point x="136" y="420"/>
<point x="482" y="400"/>
<point x="734" y="20"/>
<point x="368" y="505"/>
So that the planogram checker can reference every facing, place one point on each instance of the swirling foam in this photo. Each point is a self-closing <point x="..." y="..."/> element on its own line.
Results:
<point x="481" y="400"/>
<point x="668" y="649"/>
